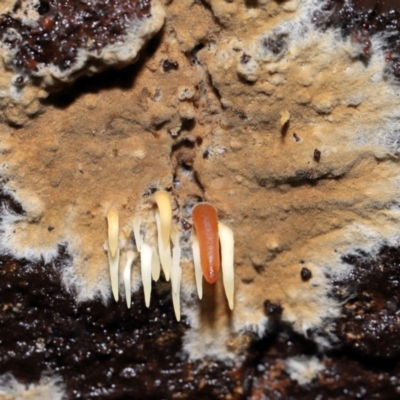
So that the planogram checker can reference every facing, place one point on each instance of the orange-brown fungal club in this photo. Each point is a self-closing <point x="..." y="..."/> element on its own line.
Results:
<point x="206" y="225"/>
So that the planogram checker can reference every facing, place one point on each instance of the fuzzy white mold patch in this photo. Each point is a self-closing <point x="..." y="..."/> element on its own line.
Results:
<point x="46" y="389"/>
<point x="323" y="185"/>
<point x="303" y="369"/>
<point x="31" y="68"/>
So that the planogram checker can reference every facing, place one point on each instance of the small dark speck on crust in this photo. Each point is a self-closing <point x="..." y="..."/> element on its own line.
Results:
<point x="272" y="309"/>
<point x="317" y="155"/>
<point x="245" y="58"/>
<point x="305" y="274"/>
<point x="185" y="224"/>
<point x="19" y="81"/>
<point x="296" y="138"/>
<point x="169" y="65"/>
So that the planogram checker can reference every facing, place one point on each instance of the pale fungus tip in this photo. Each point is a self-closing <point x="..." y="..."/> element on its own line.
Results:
<point x="113" y="249"/>
<point x="163" y="251"/>
<point x="176" y="296"/>
<point x="155" y="265"/>
<point x="113" y="231"/>
<point x="197" y="266"/>
<point x="130" y="257"/>
<point x="227" y="261"/>
<point x="176" y="258"/>
<point x="146" y="269"/>
<point x="114" y="266"/>
<point x="136" y="233"/>
<point x="163" y="201"/>
<point x="285" y="117"/>
<point x="127" y="232"/>
<point x="176" y="272"/>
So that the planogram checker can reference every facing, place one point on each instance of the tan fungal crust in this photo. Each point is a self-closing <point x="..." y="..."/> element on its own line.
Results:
<point x="202" y="117"/>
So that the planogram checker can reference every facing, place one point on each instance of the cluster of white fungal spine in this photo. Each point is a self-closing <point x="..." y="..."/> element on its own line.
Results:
<point x="208" y="237"/>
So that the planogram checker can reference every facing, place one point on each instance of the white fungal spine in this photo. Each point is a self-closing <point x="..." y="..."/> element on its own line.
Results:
<point x="176" y="274"/>
<point x="130" y="257"/>
<point x="113" y="249"/>
<point x="155" y="265"/>
<point x="163" y="216"/>
<point x="165" y="211"/>
<point x="145" y="261"/>
<point x="198" y="273"/>
<point x="227" y="249"/>
<point x="136" y="233"/>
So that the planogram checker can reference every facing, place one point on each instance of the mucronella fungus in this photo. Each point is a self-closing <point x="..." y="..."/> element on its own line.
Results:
<point x="206" y="249"/>
<point x="206" y="224"/>
<point x="163" y="217"/>
<point x="207" y="238"/>
<point x="291" y="207"/>
<point x="113" y="249"/>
